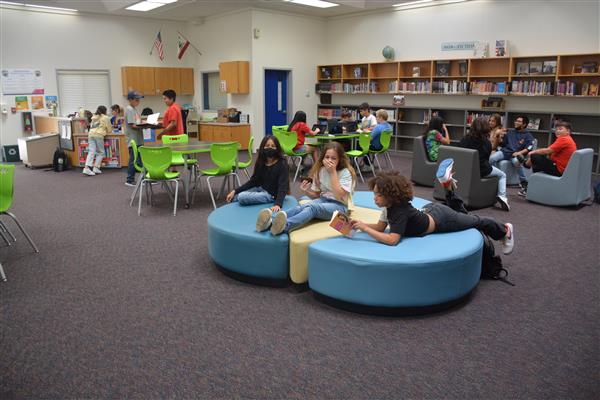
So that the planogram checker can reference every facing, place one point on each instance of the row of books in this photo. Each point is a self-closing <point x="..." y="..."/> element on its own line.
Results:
<point x="111" y="152"/>
<point x="450" y="86"/>
<point x="414" y="87"/>
<point x="329" y="113"/>
<point x="569" y="88"/>
<point x="532" y="87"/>
<point x="485" y="87"/>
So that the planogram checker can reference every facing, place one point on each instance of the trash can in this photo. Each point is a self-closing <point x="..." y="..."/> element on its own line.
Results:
<point x="11" y="153"/>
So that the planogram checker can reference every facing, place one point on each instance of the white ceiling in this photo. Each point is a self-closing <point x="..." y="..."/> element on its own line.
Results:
<point x="190" y="10"/>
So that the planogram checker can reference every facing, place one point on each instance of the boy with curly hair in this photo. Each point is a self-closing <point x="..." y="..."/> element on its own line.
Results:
<point x="394" y="192"/>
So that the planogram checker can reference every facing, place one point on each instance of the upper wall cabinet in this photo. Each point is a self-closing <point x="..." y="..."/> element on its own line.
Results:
<point x="236" y="76"/>
<point x="151" y="81"/>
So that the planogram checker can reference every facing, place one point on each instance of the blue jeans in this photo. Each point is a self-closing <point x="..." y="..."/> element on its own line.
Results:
<point x="501" y="180"/>
<point x="499" y="156"/>
<point x="95" y="149"/>
<point x="256" y="195"/>
<point x="130" y="167"/>
<point x="321" y="208"/>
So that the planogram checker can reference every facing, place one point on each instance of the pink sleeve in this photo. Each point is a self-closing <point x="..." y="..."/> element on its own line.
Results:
<point x="438" y="137"/>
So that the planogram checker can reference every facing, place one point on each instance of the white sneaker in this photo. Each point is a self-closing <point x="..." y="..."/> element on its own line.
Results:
<point x="96" y="170"/>
<point x="88" y="172"/>
<point x="509" y="240"/>
<point x="503" y="201"/>
<point x="279" y="223"/>
<point x="263" y="221"/>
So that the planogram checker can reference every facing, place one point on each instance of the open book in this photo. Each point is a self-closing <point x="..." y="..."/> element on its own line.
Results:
<point x="341" y="223"/>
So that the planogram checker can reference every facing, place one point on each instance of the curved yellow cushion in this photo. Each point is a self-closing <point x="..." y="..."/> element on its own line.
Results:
<point x="301" y="238"/>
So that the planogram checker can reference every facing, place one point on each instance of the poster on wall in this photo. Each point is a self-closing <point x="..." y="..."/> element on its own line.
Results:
<point x="51" y="102"/>
<point x="22" y="81"/>
<point x="21" y="103"/>
<point x="37" y="102"/>
<point x="27" y="121"/>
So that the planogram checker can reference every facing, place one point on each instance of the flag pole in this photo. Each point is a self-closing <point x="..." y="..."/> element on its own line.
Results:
<point x="191" y="44"/>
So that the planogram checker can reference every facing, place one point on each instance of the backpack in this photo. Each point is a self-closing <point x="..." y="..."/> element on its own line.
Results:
<point x="60" y="161"/>
<point x="491" y="264"/>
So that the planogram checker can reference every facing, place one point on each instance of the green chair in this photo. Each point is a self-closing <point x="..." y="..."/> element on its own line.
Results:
<point x="7" y="175"/>
<point x="156" y="162"/>
<point x="245" y="165"/>
<point x="277" y="129"/>
<point x="224" y="156"/>
<point x="385" y="139"/>
<point x="364" y="141"/>
<point x="288" y="141"/>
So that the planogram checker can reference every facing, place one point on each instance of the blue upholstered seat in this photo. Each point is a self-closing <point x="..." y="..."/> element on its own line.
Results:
<point x="365" y="199"/>
<point x="234" y="244"/>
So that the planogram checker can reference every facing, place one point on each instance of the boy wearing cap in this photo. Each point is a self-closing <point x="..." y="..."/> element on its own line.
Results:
<point x="133" y="132"/>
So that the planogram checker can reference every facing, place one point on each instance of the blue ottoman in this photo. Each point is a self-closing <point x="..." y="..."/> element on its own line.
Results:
<point x="418" y="275"/>
<point x="365" y="199"/>
<point x="241" y="252"/>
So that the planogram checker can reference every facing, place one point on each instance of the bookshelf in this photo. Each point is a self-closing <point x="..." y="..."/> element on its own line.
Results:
<point x="575" y="75"/>
<point x="409" y="122"/>
<point x="116" y="154"/>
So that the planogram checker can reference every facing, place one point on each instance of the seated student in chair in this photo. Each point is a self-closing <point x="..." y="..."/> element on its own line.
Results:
<point x="393" y="192"/>
<point x="559" y="153"/>
<point x="299" y="126"/>
<point x="515" y="145"/>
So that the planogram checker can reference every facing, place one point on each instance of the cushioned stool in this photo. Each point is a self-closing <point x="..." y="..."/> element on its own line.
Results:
<point x="416" y="276"/>
<point x="366" y="199"/>
<point x="241" y="252"/>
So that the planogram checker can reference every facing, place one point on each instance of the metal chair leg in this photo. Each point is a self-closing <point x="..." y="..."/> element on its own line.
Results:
<point x="377" y="159"/>
<point x="212" y="198"/>
<point x="136" y="189"/>
<point x="140" y="198"/>
<point x="389" y="159"/>
<point x="247" y="173"/>
<point x="175" y="202"/>
<point x="358" y="169"/>
<point x="5" y="229"/>
<point x="2" y="275"/>
<point x="23" y="230"/>
<point x="5" y="238"/>
<point x="298" y="167"/>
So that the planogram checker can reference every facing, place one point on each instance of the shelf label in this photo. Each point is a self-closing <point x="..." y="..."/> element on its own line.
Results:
<point x="458" y="46"/>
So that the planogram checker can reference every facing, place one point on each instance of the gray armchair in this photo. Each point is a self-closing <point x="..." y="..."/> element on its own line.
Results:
<point x="423" y="170"/>
<point x="570" y="189"/>
<point x="475" y="191"/>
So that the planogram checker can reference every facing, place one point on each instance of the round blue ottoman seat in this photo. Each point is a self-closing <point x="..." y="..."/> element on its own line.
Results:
<point x="366" y="199"/>
<point x="416" y="276"/>
<point x="241" y="252"/>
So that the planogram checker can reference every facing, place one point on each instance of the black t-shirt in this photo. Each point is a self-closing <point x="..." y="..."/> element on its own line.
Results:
<point x="405" y="220"/>
<point x="274" y="179"/>
<point x="484" y="147"/>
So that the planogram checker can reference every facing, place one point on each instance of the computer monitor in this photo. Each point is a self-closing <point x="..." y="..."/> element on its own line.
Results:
<point x="333" y="126"/>
<point x="351" y="126"/>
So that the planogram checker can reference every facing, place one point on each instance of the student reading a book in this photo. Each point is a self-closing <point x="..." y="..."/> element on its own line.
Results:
<point x="269" y="182"/>
<point x="497" y="132"/>
<point x="172" y="120"/>
<point x="559" y="153"/>
<point x="368" y="121"/>
<point x="394" y="192"/>
<point x="333" y="180"/>
<point x="478" y="139"/>
<point x="515" y="145"/>
<point x="436" y="135"/>
<point x="299" y="126"/>
<point x="99" y="127"/>
<point x="133" y="132"/>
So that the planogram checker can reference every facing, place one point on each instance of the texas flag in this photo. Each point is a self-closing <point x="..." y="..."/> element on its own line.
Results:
<point x="182" y="46"/>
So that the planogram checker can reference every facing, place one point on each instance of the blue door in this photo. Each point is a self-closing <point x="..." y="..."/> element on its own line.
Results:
<point x="275" y="98"/>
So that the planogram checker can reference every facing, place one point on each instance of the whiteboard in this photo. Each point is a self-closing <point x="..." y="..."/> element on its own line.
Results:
<point x="22" y="81"/>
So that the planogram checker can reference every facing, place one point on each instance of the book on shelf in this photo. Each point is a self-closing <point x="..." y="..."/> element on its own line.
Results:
<point x="481" y="50"/>
<point x="398" y="100"/>
<point x="325" y="73"/>
<point x="589" y="67"/>
<point x="462" y="67"/>
<point x="593" y="89"/>
<point x="501" y="48"/>
<point x="442" y="68"/>
<point x="549" y="67"/>
<point x="535" y="67"/>
<point x="522" y="68"/>
<point x="341" y="223"/>
<point x="534" y="123"/>
<point x="416" y="72"/>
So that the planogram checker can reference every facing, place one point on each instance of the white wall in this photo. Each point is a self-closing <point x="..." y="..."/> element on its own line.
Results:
<point x="53" y="41"/>
<point x="531" y="27"/>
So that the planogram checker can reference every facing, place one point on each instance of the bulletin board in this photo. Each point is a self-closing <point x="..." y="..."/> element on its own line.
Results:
<point x="22" y="81"/>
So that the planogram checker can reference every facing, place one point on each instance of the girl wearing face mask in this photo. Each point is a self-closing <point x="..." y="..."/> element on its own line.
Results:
<point x="270" y="180"/>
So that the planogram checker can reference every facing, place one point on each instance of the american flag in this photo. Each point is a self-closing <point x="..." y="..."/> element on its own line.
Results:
<point x="159" y="47"/>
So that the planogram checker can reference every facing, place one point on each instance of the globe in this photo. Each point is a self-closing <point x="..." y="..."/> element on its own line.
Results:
<point x="388" y="53"/>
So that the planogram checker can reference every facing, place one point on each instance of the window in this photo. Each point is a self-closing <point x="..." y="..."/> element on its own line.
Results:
<point x="82" y="88"/>
<point x="214" y="99"/>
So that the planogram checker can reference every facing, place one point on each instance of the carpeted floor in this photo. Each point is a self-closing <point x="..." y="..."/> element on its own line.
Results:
<point x="121" y="306"/>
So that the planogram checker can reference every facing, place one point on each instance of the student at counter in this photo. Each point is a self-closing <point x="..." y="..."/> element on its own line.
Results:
<point x="172" y="120"/>
<point x="133" y="132"/>
<point x="117" y="119"/>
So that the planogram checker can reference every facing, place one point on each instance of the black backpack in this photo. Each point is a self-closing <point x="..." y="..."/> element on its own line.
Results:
<point x="60" y="162"/>
<point x="491" y="264"/>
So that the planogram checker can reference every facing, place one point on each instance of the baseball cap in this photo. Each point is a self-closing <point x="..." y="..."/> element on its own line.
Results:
<point x="134" y="95"/>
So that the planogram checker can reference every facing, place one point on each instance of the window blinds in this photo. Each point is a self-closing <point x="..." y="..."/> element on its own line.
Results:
<point x="87" y="89"/>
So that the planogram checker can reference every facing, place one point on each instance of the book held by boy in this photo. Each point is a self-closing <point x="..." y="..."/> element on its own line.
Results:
<point x="341" y="223"/>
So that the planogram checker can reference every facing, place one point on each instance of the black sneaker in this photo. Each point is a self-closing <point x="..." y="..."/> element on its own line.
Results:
<point x="522" y="192"/>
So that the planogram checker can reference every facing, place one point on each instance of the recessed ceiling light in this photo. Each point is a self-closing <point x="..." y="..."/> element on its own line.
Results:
<point x="314" y="3"/>
<point x="424" y="3"/>
<point x="50" y="8"/>
<point x="163" y="1"/>
<point x="144" y="6"/>
<point x="410" y="3"/>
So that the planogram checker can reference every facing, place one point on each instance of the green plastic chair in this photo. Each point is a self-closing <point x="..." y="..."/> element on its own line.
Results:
<point x="156" y="162"/>
<point x="277" y="129"/>
<point x="385" y="139"/>
<point x="178" y="159"/>
<point x="224" y="156"/>
<point x="7" y="175"/>
<point x="364" y="141"/>
<point x="288" y="141"/>
<point x="245" y="165"/>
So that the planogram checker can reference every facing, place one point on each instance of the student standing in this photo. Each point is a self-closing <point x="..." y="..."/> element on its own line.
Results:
<point x="172" y="120"/>
<point x="100" y="126"/>
<point x="133" y="132"/>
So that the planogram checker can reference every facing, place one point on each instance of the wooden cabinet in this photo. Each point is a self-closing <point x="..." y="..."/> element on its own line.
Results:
<point x="236" y="75"/>
<point x="140" y="79"/>
<point x="226" y="133"/>
<point x="151" y="81"/>
<point x="116" y="153"/>
<point x="186" y="76"/>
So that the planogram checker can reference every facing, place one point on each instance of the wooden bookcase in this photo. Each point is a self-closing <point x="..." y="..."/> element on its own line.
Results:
<point x="550" y="75"/>
<point x="116" y="154"/>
